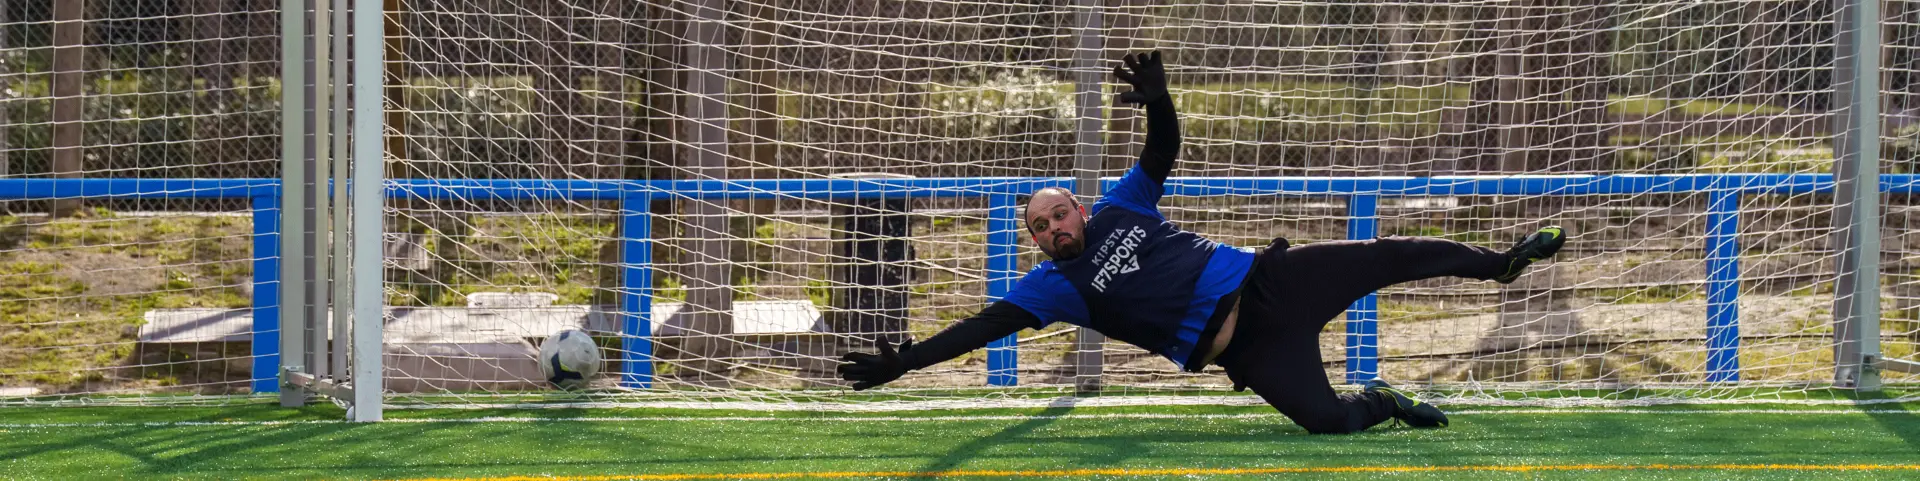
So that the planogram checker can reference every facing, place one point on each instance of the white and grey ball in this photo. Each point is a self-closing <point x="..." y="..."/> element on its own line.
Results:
<point x="569" y="359"/>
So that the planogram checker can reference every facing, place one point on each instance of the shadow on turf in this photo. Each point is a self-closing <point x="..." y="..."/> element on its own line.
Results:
<point x="1121" y="448"/>
<point x="973" y="449"/>
<point x="175" y="450"/>
<point x="1902" y="423"/>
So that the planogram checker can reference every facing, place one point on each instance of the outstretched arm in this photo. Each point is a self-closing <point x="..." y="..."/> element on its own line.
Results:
<point x="998" y="320"/>
<point x="1149" y="79"/>
<point x="1141" y="188"/>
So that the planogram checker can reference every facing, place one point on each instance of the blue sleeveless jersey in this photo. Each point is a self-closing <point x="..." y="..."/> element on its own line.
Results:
<point x="1141" y="279"/>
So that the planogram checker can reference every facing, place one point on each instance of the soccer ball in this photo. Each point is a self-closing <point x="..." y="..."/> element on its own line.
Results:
<point x="569" y="358"/>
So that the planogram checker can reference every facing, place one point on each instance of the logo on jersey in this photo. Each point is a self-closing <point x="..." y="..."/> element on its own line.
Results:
<point x="1124" y="259"/>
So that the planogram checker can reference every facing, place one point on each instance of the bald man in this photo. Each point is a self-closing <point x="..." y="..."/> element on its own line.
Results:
<point x="1122" y="269"/>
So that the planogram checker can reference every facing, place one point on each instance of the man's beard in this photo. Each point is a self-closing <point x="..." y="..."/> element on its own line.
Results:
<point x="1066" y="250"/>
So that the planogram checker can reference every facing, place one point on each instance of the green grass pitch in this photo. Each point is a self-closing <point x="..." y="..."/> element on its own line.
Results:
<point x="259" y="441"/>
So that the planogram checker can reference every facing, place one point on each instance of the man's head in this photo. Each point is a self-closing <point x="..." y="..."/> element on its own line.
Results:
<point x="1058" y="223"/>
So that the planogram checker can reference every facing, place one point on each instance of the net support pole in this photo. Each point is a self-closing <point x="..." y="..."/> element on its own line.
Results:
<point x="636" y="290"/>
<point x="368" y="196"/>
<point x="342" y="278"/>
<point x="1856" y="197"/>
<point x="293" y="195"/>
<point x="1723" y="284"/>
<point x="1003" y="355"/>
<point x="1363" y="317"/>
<point x="318" y="274"/>
<point x="1090" y="105"/>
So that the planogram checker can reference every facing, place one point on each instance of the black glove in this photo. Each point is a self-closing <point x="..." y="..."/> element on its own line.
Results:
<point x="868" y="370"/>
<point x="1148" y="77"/>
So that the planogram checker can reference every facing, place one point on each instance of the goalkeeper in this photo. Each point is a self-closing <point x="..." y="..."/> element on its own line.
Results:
<point x="1122" y="269"/>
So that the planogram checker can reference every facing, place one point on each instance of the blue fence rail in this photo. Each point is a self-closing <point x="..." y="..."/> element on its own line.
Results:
<point x="1363" y="193"/>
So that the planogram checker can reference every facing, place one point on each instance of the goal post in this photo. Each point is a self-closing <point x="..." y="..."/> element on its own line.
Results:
<point x="340" y="304"/>
<point x="296" y="159"/>
<point x="1857" y="211"/>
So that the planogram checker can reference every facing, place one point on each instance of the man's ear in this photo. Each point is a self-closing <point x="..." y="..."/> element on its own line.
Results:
<point x="1083" y="211"/>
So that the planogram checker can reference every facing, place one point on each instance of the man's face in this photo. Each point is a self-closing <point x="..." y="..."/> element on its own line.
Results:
<point x="1057" y="224"/>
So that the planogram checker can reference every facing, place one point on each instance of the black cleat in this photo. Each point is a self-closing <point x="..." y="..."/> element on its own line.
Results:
<point x="1536" y="247"/>
<point x="1409" y="410"/>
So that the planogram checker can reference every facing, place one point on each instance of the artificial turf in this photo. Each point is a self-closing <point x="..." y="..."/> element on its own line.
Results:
<point x="257" y="441"/>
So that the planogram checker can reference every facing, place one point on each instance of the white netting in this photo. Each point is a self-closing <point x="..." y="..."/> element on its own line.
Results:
<point x="92" y="299"/>
<point x="563" y="90"/>
<point x="1900" y="234"/>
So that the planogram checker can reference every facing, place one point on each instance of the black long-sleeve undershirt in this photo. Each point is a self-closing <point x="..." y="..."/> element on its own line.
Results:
<point x="998" y="320"/>
<point x="1163" y="139"/>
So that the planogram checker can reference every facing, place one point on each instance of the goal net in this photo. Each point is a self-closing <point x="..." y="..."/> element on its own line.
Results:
<point x="730" y="195"/>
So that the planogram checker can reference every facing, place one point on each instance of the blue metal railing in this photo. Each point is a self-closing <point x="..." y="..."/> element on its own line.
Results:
<point x="1363" y="317"/>
<point x="266" y="291"/>
<point x="1363" y="194"/>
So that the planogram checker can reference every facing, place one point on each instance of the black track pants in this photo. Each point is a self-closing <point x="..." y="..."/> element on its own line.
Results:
<point x="1296" y="291"/>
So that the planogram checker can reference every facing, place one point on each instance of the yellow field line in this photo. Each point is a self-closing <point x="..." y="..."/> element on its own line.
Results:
<point x="1207" y="471"/>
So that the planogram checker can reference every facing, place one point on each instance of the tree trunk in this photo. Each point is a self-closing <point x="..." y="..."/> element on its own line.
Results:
<point x="762" y="127"/>
<point x="1757" y="39"/>
<point x="1508" y="124"/>
<point x="709" y="292"/>
<point x="658" y="84"/>
<point x="69" y="82"/>
<point x="396" y="78"/>
<point x="761" y="146"/>
<point x="212" y="59"/>
<point x="556" y="78"/>
<point x="1122" y="119"/>
<point x="1548" y="96"/>
<point x="1397" y="154"/>
<point x="606" y="105"/>
<point x="1121" y="151"/>
<point x="6" y="82"/>
<point x="1456" y="144"/>
<point x="1589" y="69"/>
<point x="1475" y="129"/>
